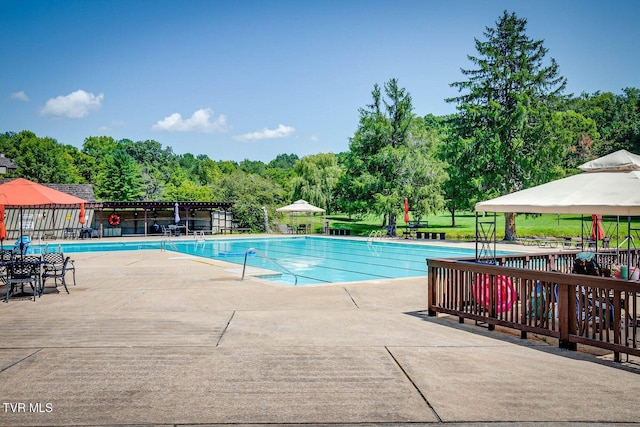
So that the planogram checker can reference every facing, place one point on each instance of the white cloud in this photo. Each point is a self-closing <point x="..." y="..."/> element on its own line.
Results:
<point x="20" y="96"/>
<point x="200" y="121"/>
<point x="75" y="105"/>
<point x="280" y="132"/>
<point x="114" y="124"/>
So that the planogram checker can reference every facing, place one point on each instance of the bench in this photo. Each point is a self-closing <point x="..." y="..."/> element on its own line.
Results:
<point x="415" y="225"/>
<point x="432" y="235"/>
<point x="412" y="227"/>
<point x="339" y="232"/>
<point x="224" y="230"/>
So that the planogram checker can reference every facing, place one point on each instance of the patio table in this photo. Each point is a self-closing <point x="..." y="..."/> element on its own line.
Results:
<point x="22" y="271"/>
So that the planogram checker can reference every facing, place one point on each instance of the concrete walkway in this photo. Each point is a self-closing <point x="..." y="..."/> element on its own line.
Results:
<point x="160" y="338"/>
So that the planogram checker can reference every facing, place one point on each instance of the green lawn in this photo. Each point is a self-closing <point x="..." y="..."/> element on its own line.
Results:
<point x="526" y="225"/>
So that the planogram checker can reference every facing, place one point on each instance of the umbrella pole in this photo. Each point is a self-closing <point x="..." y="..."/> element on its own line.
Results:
<point x="629" y="247"/>
<point x="21" y="242"/>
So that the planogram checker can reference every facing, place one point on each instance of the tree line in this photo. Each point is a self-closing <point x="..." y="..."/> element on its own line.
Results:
<point x="514" y="127"/>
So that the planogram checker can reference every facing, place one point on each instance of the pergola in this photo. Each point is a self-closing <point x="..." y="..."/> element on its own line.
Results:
<point x="150" y="209"/>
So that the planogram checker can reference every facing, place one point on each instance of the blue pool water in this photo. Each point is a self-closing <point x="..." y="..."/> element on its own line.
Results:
<point x="314" y="260"/>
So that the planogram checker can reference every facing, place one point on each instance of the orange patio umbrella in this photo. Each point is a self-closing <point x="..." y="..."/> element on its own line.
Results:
<point x="22" y="193"/>
<point x="3" y="227"/>
<point x="82" y="214"/>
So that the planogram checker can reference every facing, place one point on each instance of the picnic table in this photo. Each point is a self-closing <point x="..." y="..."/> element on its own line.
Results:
<point x="412" y="227"/>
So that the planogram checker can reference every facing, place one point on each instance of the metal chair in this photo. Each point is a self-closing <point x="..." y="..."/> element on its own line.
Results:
<point x="6" y="256"/>
<point x="55" y="266"/>
<point x="22" y="271"/>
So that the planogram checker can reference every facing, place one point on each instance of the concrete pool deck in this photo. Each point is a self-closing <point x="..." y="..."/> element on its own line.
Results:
<point x="161" y="338"/>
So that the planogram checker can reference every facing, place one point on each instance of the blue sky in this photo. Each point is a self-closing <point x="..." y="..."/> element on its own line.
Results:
<point x="252" y="79"/>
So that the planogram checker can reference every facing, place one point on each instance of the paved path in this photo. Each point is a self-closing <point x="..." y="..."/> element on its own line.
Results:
<point x="160" y="338"/>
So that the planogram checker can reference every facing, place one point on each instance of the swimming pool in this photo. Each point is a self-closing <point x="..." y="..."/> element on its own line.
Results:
<point x="305" y="260"/>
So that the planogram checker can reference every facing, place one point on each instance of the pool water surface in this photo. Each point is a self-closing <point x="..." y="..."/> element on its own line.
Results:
<point x="305" y="260"/>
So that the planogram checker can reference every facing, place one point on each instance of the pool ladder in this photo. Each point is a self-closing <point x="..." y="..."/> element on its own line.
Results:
<point x="164" y="243"/>
<point x="375" y="234"/>
<point x="254" y="250"/>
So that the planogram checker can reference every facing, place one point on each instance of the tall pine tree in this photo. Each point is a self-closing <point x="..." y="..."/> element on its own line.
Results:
<point x="120" y="179"/>
<point x="504" y="114"/>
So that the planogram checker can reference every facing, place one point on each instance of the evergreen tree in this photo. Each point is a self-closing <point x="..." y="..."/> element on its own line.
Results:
<point x="505" y="114"/>
<point x="120" y="178"/>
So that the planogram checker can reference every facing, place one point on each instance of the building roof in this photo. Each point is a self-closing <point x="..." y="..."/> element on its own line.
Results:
<point x="83" y="191"/>
<point x="147" y="205"/>
<point x="7" y="163"/>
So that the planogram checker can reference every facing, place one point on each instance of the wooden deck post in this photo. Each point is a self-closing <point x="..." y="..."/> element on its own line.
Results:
<point x="566" y="315"/>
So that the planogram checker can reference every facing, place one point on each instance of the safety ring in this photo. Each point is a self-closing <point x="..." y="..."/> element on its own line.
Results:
<point x="114" y="220"/>
<point x="505" y="292"/>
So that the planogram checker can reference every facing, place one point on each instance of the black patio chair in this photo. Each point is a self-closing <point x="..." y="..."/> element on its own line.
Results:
<point x="55" y="266"/>
<point x="21" y="271"/>
<point x="6" y="256"/>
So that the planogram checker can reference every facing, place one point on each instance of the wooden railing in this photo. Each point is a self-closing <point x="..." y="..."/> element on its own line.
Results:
<point x="537" y="293"/>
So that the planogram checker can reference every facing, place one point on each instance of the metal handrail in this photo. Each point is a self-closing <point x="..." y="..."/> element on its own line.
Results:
<point x="257" y="251"/>
<point x="373" y="234"/>
<point x="165" y="242"/>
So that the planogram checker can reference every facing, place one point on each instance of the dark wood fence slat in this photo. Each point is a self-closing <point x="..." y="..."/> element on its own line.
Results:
<point x="548" y="300"/>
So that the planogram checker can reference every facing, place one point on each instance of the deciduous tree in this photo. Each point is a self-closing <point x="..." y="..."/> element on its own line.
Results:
<point x="388" y="160"/>
<point x="315" y="179"/>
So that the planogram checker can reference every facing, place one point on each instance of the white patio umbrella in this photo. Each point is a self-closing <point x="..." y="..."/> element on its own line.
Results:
<point x="300" y="206"/>
<point x="609" y="185"/>
<point x="176" y="213"/>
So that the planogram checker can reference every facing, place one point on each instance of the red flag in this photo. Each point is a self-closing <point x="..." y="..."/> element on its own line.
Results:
<point x="406" y="210"/>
